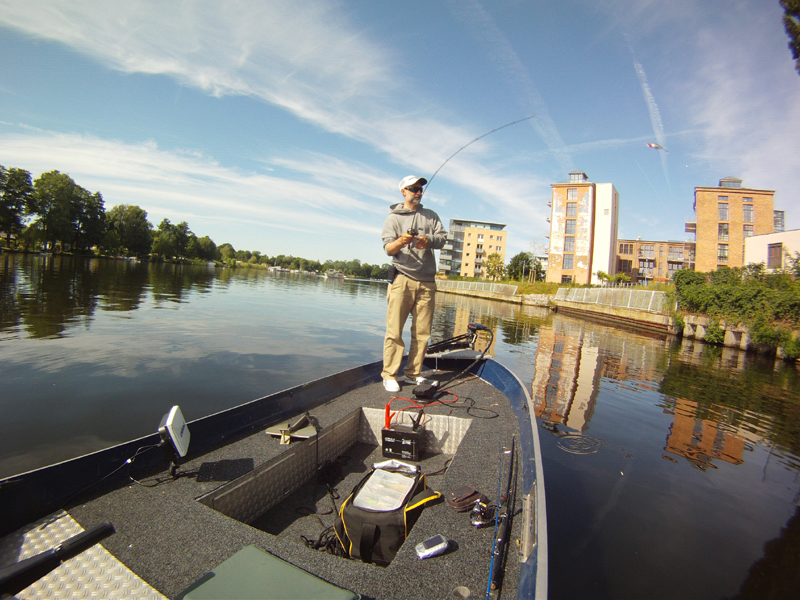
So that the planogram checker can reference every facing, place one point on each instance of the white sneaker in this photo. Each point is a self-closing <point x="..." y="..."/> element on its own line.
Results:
<point x="420" y="380"/>
<point x="391" y="385"/>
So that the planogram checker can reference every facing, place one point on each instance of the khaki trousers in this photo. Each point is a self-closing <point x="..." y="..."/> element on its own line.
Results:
<point x="417" y="298"/>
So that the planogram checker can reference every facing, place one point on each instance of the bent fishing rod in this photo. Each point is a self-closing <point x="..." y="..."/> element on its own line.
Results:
<point x="480" y="137"/>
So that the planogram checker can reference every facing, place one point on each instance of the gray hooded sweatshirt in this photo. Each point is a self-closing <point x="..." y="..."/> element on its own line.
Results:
<point x="414" y="263"/>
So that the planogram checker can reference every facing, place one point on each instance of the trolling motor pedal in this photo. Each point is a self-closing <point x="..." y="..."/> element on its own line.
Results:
<point x="427" y="391"/>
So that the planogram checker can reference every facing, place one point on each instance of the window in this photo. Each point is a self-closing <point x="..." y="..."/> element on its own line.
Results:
<point x="722" y="253"/>
<point x="775" y="256"/>
<point x="480" y="237"/>
<point x="572" y="209"/>
<point x="568" y="258"/>
<point x="499" y="249"/>
<point x="569" y="244"/>
<point x="570" y="227"/>
<point x="625" y="266"/>
<point x="566" y="279"/>
<point x="747" y="213"/>
<point x="626" y="248"/>
<point x="499" y="238"/>
<point x="572" y="194"/>
<point x="748" y="231"/>
<point x="647" y="250"/>
<point x="672" y="267"/>
<point x="675" y="254"/>
<point x="723" y="210"/>
<point x="722" y="232"/>
<point x="778" y="220"/>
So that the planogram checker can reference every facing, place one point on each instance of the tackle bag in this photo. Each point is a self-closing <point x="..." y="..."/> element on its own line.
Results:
<point x="376" y="517"/>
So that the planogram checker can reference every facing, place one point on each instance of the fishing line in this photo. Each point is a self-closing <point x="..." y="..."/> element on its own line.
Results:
<point x="472" y="142"/>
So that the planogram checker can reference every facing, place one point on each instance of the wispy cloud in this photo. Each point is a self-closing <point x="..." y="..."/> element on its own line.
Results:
<point x="516" y="76"/>
<point x="652" y="109"/>
<point x="197" y="189"/>
<point x="747" y="132"/>
<point x="303" y="57"/>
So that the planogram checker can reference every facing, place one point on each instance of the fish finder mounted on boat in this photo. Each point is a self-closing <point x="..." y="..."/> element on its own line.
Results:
<point x="175" y="437"/>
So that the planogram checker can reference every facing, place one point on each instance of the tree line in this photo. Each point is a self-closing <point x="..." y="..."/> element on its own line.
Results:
<point x="55" y="213"/>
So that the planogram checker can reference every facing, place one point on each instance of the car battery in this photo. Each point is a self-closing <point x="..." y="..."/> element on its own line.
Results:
<point x="401" y="441"/>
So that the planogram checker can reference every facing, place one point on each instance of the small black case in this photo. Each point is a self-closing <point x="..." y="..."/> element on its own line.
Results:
<point x="464" y="497"/>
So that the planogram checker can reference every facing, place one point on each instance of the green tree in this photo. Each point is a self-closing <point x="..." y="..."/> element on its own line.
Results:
<point x="227" y="252"/>
<point x="206" y="248"/>
<point x="791" y="21"/>
<point x="56" y="201"/>
<point x="520" y="265"/>
<point x="16" y="198"/>
<point x="90" y="224"/>
<point x="494" y="266"/>
<point x="128" y="224"/>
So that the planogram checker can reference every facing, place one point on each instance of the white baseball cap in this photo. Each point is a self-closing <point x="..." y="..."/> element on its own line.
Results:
<point x="411" y="180"/>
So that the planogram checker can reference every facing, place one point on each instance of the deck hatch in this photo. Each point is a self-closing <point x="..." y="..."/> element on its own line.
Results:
<point x="250" y="496"/>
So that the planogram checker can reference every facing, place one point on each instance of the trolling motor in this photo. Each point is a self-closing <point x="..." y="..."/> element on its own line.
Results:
<point x="431" y="391"/>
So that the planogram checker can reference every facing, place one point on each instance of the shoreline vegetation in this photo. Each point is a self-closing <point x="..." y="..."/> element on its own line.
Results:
<point x="53" y="214"/>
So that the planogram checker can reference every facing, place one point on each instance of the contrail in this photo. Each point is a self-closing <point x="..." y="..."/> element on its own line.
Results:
<point x="516" y="75"/>
<point x="652" y="107"/>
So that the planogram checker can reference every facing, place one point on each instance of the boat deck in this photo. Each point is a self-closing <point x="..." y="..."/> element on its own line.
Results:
<point x="169" y="535"/>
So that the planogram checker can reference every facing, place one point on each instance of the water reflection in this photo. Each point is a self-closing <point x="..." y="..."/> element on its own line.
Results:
<point x="720" y="403"/>
<point x="572" y="358"/>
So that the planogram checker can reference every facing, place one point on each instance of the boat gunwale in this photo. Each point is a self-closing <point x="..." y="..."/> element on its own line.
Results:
<point x="40" y="496"/>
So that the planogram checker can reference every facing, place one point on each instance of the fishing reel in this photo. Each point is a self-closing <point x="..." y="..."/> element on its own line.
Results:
<point x="414" y="232"/>
<point x="482" y="514"/>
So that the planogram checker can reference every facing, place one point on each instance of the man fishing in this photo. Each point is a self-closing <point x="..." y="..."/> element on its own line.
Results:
<point x="410" y="235"/>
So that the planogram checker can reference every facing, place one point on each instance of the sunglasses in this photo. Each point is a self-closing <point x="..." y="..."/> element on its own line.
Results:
<point x="415" y="189"/>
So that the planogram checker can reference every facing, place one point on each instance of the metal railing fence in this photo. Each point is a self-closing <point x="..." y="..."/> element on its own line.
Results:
<point x="477" y="286"/>
<point x="651" y="301"/>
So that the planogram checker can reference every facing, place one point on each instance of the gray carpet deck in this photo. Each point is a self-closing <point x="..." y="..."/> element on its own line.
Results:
<point x="171" y="540"/>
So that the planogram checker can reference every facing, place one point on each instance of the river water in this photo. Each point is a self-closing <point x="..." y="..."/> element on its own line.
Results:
<point x="672" y="468"/>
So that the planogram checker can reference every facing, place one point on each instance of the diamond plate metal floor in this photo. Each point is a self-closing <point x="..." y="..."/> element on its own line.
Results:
<point x="95" y="573"/>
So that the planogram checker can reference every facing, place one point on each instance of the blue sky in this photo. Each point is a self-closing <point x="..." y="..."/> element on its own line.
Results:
<point x="285" y="126"/>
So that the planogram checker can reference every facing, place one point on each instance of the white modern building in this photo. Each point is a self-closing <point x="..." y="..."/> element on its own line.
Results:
<point x="772" y="249"/>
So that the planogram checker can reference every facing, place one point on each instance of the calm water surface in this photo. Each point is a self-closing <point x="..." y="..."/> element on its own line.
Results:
<point x="671" y="468"/>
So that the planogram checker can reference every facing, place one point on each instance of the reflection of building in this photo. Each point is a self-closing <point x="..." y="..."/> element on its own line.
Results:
<point x="566" y="383"/>
<point x="570" y="365"/>
<point x="583" y="230"/>
<point x="724" y="217"/>
<point x="469" y="244"/>
<point x="698" y="440"/>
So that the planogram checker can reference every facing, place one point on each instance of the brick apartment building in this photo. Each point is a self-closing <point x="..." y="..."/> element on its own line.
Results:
<point x="724" y="217"/>
<point x="468" y="245"/>
<point x="646" y="260"/>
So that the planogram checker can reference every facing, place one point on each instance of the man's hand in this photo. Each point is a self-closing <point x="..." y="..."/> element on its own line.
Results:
<point x="422" y="242"/>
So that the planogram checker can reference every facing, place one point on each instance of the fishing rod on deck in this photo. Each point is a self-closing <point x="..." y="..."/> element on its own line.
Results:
<point x="504" y="513"/>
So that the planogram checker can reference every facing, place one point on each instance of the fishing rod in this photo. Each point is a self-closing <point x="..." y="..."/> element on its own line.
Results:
<point x="472" y="142"/>
<point x="502" y="529"/>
